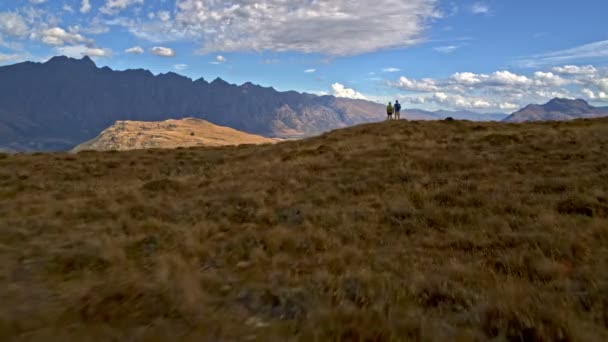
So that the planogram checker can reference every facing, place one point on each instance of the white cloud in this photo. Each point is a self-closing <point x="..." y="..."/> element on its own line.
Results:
<point x="504" y="90"/>
<point x="136" y="50"/>
<point x="97" y="52"/>
<point x="36" y="2"/>
<point x="549" y="79"/>
<point x="96" y="26"/>
<point x="164" y="15"/>
<point x="86" y="6"/>
<point x="595" y="96"/>
<point x="462" y="102"/>
<point x="447" y="48"/>
<point x="466" y="78"/>
<point x="423" y="85"/>
<point x="77" y="51"/>
<point x="68" y="8"/>
<point x="575" y="70"/>
<point x="391" y="70"/>
<point x="113" y="7"/>
<point x="13" y="24"/>
<point x="59" y="36"/>
<point x="597" y="50"/>
<point x="480" y="8"/>
<point x="180" y="67"/>
<point x="163" y="51"/>
<point x="496" y="79"/>
<point x="8" y="57"/>
<point x="339" y="90"/>
<point x="219" y="59"/>
<point x="336" y="27"/>
<point x="601" y="83"/>
<point x="310" y="71"/>
<point x="507" y="78"/>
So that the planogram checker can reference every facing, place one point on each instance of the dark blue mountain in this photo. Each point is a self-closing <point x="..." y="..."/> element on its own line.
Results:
<point x="558" y="109"/>
<point x="63" y="102"/>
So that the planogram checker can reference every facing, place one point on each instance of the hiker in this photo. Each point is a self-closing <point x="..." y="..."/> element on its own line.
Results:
<point x="389" y="111"/>
<point x="397" y="110"/>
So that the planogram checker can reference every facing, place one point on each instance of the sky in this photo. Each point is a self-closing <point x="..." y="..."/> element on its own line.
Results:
<point x="485" y="56"/>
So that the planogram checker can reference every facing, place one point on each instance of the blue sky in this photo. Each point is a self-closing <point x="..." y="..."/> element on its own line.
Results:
<point x="487" y="55"/>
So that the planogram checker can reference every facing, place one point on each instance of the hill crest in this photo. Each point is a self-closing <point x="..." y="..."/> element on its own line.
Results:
<point x="188" y="132"/>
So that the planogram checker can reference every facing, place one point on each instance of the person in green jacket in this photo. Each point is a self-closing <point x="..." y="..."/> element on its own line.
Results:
<point x="389" y="111"/>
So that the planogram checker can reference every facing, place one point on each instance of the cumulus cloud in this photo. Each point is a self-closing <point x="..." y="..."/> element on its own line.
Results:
<point x="136" y="50"/>
<point x="77" y="51"/>
<point x="601" y="83"/>
<point x="98" y="52"/>
<point x="339" y="90"/>
<point x="423" y="85"/>
<point x="164" y="15"/>
<point x="549" y="79"/>
<point x="163" y="51"/>
<point x="455" y="101"/>
<point x="59" y="36"/>
<point x="505" y="90"/>
<point x="334" y="27"/>
<point x="85" y="7"/>
<point x="596" y="96"/>
<point x="112" y="7"/>
<point x="575" y="70"/>
<point x="219" y="59"/>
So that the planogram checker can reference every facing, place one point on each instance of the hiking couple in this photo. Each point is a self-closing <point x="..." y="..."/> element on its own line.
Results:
<point x="396" y="109"/>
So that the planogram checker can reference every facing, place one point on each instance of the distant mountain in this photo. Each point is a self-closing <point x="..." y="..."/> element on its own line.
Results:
<point x="61" y="103"/>
<point x="557" y="109"/>
<point x="189" y="132"/>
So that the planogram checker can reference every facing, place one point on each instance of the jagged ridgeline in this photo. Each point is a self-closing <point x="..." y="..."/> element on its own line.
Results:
<point x="64" y="102"/>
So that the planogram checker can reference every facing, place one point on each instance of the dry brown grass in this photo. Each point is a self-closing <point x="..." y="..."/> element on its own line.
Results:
<point x="384" y="232"/>
<point x="188" y="132"/>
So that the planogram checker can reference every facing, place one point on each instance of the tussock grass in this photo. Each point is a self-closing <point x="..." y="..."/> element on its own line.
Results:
<point x="383" y="232"/>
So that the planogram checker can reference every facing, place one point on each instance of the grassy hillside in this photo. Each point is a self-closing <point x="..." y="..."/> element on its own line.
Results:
<point x="189" y="132"/>
<point x="382" y="232"/>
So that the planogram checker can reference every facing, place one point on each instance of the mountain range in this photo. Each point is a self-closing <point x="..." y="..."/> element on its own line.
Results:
<point x="63" y="102"/>
<point x="557" y="109"/>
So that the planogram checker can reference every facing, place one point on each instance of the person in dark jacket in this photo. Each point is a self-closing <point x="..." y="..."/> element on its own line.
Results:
<point x="397" y="110"/>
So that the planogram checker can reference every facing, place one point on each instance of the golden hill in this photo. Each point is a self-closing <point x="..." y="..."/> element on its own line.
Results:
<point x="383" y="232"/>
<point x="189" y="132"/>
